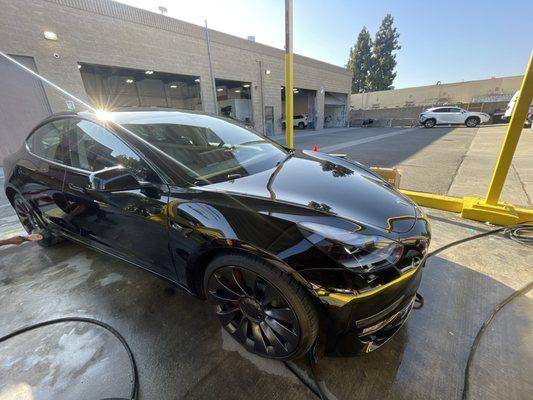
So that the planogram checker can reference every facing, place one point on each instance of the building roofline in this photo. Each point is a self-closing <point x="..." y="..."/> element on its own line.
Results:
<point x="140" y="16"/>
<point x="441" y="84"/>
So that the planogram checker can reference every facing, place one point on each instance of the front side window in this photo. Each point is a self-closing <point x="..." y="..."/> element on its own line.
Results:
<point x="50" y="141"/>
<point x="93" y="148"/>
<point x="208" y="149"/>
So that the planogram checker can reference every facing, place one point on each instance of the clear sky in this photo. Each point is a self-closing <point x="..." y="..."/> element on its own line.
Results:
<point x="447" y="41"/>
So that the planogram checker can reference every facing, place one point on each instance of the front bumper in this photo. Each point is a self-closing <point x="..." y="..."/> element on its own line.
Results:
<point x="373" y="317"/>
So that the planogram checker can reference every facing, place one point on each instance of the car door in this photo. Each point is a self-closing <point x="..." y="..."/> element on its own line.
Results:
<point x="131" y="224"/>
<point x="456" y="115"/>
<point x="442" y="115"/>
<point x="40" y="176"/>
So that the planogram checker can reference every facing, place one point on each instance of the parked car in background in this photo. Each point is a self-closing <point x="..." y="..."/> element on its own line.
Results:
<point x="301" y="121"/>
<point x="452" y="116"/>
<point x="510" y="108"/>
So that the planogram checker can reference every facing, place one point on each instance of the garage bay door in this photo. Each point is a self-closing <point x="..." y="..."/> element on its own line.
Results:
<point x="22" y="104"/>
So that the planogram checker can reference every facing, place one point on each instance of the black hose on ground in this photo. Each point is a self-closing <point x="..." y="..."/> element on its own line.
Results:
<point x="135" y="381"/>
<point x="521" y="233"/>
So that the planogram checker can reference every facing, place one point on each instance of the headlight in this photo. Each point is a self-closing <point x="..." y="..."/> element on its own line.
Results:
<point x="363" y="253"/>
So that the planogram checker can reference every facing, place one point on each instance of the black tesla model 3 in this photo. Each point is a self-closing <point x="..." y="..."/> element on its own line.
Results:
<point x="286" y="244"/>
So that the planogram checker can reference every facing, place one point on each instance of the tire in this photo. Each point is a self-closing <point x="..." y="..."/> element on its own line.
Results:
<point x="32" y="223"/>
<point x="301" y="125"/>
<point x="283" y="125"/>
<point x="472" y="122"/>
<point x="261" y="307"/>
<point x="430" y="123"/>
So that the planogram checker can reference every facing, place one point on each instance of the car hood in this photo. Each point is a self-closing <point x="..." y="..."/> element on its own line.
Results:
<point x="329" y="185"/>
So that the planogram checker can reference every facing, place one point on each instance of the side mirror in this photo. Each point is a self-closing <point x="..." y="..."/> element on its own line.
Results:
<point x="113" y="179"/>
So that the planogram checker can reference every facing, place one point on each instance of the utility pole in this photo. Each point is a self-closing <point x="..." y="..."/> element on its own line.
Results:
<point x="213" y="84"/>
<point x="289" y="83"/>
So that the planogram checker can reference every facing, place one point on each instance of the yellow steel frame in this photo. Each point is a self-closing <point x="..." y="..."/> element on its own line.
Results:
<point x="490" y="209"/>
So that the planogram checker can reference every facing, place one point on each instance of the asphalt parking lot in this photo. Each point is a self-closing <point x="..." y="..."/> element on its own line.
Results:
<point x="457" y="161"/>
<point x="183" y="353"/>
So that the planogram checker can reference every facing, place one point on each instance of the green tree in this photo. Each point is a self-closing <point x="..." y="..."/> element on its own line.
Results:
<point x="360" y="61"/>
<point x="382" y="72"/>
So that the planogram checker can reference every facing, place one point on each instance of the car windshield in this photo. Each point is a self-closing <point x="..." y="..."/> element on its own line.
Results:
<point x="209" y="149"/>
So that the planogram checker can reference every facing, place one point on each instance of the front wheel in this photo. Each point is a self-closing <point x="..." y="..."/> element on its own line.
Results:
<point x="301" y="125"/>
<point x="472" y="122"/>
<point x="429" y="123"/>
<point x="261" y="307"/>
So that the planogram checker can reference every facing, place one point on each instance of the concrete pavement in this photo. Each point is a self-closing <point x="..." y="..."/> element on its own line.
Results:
<point x="182" y="352"/>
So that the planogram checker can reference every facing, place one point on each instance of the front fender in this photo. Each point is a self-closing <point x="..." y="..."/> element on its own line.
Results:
<point x="197" y="262"/>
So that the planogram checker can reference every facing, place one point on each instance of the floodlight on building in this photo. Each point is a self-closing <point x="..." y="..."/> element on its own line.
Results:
<point x="129" y="80"/>
<point x="247" y="85"/>
<point x="173" y="86"/>
<point x="197" y="80"/>
<point x="237" y="90"/>
<point x="267" y="72"/>
<point x="48" y="35"/>
<point x="149" y="72"/>
<point x="79" y="66"/>
<point x="220" y="90"/>
<point x="162" y="9"/>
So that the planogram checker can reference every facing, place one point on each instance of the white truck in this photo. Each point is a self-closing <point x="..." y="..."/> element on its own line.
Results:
<point x="510" y="108"/>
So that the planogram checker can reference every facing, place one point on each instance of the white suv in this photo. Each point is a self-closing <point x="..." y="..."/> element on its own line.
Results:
<point x="301" y="121"/>
<point x="452" y="115"/>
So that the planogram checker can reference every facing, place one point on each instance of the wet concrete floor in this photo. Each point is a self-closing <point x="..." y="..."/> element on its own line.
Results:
<point x="182" y="353"/>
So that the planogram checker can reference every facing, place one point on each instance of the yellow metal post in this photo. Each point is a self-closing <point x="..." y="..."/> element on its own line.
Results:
<point x="289" y="83"/>
<point x="512" y="136"/>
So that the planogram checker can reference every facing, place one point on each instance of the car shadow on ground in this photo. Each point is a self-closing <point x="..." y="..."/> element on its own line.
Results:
<point x="182" y="353"/>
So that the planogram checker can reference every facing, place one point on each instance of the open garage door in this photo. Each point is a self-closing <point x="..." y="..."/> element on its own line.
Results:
<point x="114" y="87"/>
<point x="335" y="110"/>
<point x="305" y="116"/>
<point x="234" y="100"/>
<point x="23" y="104"/>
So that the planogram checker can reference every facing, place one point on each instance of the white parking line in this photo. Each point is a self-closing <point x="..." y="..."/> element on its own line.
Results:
<point x="344" y="145"/>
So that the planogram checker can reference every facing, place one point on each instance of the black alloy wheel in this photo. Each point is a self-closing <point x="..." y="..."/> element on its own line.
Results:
<point x="31" y="223"/>
<point x="251" y="306"/>
<point x="25" y="214"/>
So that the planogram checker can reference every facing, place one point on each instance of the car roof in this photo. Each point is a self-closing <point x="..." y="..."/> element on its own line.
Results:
<point x="446" y="106"/>
<point x="149" y="115"/>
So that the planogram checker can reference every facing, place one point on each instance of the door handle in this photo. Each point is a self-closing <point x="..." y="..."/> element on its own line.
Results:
<point x="76" y="188"/>
<point x="179" y="228"/>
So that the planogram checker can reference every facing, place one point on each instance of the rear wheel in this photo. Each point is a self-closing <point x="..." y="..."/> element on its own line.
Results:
<point x="472" y="122"/>
<point x="430" y="123"/>
<point x="31" y="222"/>
<point x="261" y="307"/>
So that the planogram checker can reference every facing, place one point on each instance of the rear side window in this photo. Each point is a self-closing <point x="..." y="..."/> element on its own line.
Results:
<point x="50" y="141"/>
<point x="93" y="148"/>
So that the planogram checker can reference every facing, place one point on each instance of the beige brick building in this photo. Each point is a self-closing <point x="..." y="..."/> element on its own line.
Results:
<point x="103" y="44"/>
